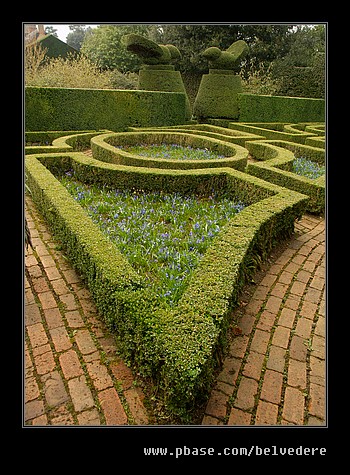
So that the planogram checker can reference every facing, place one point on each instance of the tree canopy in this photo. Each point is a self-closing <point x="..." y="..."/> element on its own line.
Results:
<point x="278" y="48"/>
<point x="103" y="45"/>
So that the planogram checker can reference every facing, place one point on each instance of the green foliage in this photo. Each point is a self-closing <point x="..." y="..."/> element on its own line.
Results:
<point x="266" y="42"/>
<point x="277" y="159"/>
<point x="160" y="79"/>
<point x="80" y="109"/>
<point x="298" y="81"/>
<point x="261" y="108"/>
<point x="103" y="46"/>
<point x="76" y="36"/>
<point x="301" y="72"/>
<point x="109" y="148"/>
<point x="72" y="71"/>
<point x="218" y="96"/>
<point x="274" y="51"/>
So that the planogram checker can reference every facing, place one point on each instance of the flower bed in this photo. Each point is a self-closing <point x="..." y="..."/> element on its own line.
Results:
<point x="163" y="235"/>
<point x="304" y="167"/>
<point x="179" y="346"/>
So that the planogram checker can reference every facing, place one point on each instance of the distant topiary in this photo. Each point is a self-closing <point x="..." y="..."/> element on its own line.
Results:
<point x="157" y="73"/>
<point x="217" y="93"/>
<point x="149" y="51"/>
<point x="229" y="59"/>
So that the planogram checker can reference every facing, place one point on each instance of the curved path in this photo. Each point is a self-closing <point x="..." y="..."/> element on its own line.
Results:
<point x="274" y="372"/>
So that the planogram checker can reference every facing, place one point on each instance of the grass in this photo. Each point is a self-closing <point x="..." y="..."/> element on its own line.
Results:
<point x="305" y="167"/>
<point x="172" y="151"/>
<point x="163" y="235"/>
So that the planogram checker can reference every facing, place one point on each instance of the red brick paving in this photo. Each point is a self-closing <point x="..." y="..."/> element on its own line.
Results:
<point x="275" y="370"/>
<point x="72" y="373"/>
<point x="274" y="373"/>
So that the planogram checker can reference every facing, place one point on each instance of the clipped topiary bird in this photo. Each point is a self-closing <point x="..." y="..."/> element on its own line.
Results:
<point x="229" y="59"/>
<point x="149" y="51"/>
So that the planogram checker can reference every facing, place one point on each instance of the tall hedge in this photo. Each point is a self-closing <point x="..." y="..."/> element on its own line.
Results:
<point x="51" y="108"/>
<point x="256" y="108"/>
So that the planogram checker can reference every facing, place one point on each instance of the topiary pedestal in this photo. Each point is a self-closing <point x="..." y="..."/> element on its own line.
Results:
<point x="217" y="95"/>
<point x="160" y="77"/>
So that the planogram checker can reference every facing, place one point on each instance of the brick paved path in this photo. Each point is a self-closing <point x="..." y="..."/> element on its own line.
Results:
<point x="274" y="372"/>
<point x="72" y="376"/>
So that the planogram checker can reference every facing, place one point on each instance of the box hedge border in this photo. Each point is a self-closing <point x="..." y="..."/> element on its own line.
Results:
<point x="60" y="141"/>
<point x="214" y="131"/>
<point x="177" y="347"/>
<point x="104" y="148"/>
<point x="272" y="131"/>
<point x="275" y="166"/>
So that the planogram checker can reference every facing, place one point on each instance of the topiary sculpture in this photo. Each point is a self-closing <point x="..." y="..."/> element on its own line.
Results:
<point x="157" y="73"/>
<point x="217" y="93"/>
<point x="229" y="59"/>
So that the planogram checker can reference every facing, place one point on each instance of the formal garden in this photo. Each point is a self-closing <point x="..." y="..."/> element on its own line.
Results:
<point x="166" y="203"/>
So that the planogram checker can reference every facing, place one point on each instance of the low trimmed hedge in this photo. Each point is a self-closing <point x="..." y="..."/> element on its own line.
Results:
<point x="276" y="164"/>
<point x="104" y="148"/>
<point x="271" y="131"/>
<point x="208" y="130"/>
<point x="177" y="347"/>
<point x="49" y="108"/>
<point x="60" y="141"/>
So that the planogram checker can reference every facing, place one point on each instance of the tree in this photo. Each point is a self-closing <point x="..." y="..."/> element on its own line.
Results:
<point x="103" y="45"/>
<point x="301" y="72"/>
<point x="76" y="37"/>
<point x="50" y="30"/>
<point x="266" y="42"/>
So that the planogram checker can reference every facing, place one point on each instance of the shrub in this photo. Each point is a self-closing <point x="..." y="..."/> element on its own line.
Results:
<point x="71" y="71"/>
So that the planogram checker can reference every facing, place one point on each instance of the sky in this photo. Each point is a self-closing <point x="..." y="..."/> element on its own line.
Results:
<point x="63" y="30"/>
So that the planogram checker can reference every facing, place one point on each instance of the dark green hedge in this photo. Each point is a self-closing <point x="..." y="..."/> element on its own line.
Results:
<point x="169" y="80"/>
<point x="254" y="108"/>
<point x="104" y="149"/>
<point x="276" y="161"/>
<point x="50" y="108"/>
<point x="179" y="347"/>
<point x="217" y="96"/>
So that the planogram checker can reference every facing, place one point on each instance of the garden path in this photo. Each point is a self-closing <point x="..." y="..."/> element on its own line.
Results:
<point x="274" y="372"/>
